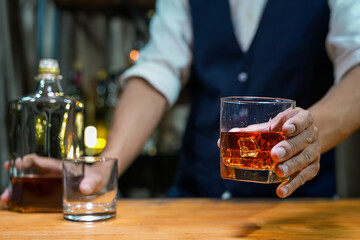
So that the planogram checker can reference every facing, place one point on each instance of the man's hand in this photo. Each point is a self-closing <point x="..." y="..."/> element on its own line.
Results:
<point x="43" y="165"/>
<point x="299" y="155"/>
<point x="91" y="183"/>
<point x="5" y="196"/>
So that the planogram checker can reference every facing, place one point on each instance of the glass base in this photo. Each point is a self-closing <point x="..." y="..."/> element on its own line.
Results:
<point x="88" y="211"/>
<point x="89" y="217"/>
<point x="250" y="175"/>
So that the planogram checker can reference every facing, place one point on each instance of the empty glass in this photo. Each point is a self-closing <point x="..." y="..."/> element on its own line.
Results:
<point x="100" y="203"/>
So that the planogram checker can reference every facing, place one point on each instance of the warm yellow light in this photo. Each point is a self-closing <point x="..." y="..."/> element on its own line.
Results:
<point x="70" y="153"/>
<point x="134" y="55"/>
<point x="100" y="143"/>
<point x="90" y="136"/>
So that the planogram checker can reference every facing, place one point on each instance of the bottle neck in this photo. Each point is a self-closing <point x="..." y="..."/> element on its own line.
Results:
<point x="49" y="86"/>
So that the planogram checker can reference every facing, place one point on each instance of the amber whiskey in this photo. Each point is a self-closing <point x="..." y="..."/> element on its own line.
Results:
<point x="36" y="193"/>
<point x="247" y="150"/>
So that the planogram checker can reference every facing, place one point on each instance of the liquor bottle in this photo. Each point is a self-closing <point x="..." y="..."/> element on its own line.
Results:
<point x="43" y="128"/>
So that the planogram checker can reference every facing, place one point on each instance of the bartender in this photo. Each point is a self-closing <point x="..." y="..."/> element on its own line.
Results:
<point x="246" y="48"/>
<point x="304" y="50"/>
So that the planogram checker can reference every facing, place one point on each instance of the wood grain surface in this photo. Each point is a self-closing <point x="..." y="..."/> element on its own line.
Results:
<point x="198" y="219"/>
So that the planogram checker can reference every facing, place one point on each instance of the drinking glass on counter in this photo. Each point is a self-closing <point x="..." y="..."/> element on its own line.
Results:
<point x="99" y="204"/>
<point x="249" y="128"/>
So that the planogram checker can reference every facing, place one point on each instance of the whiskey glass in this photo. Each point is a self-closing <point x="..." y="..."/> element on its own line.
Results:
<point x="249" y="128"/>
<point x="100" y="204"/>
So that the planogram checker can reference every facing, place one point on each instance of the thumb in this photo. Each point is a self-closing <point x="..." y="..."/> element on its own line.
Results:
<point x="5" y="196"/>
<point x="87" y="186"/>
<point x="92" y="183"/>
<point x="7" y="165"/>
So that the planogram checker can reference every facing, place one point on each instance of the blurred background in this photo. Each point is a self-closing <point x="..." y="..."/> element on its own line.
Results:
<point x="94" y="42"/>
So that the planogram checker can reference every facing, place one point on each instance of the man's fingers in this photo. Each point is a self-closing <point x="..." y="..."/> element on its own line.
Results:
<point x="19" y="164"/>
<point x="292" y="121"/>
<point x="251" y="128"/>
<point x="276" y="124"/>
<point x="45" y="163"/>
<point x="5" y="196"/>
<point x="42" y="164"/>
<point x="298" y="179"/>
<point x="297" y="123"/>
<point x="292" y="146"/>
<point x="94" y="180"/>
<point x="300" y="161"/>
<point x="7" y="165"/>
<point x="87" y="186"/>
<point x="237" y="130"/>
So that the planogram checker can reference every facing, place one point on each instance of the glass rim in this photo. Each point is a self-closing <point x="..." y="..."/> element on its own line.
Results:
<point x="256" y="100"/>
<point x="90" y="159"/>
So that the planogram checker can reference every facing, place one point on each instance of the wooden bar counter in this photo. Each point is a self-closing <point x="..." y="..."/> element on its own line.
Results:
<point x="198" y="219"/>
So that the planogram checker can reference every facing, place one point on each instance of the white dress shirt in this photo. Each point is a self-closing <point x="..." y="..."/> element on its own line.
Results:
<point x="165" y="61"/>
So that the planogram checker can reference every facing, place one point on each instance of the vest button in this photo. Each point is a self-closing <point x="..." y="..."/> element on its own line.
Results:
<point x="243" y="77"/>
<point x="226" y="195"/>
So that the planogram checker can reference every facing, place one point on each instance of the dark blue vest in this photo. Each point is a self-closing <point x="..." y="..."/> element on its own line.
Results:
<point x="287" y="59"/>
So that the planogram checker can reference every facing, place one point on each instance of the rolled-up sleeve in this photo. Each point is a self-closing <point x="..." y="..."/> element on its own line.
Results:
<point x="165" y="60"/>
<point x="343" y="41"/>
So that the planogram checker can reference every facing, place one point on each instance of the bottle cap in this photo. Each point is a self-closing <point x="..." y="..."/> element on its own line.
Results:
<point x="49" y="65"/>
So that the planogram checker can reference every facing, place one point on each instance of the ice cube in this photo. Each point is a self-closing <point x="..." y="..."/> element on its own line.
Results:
<point x="249" y="146"/>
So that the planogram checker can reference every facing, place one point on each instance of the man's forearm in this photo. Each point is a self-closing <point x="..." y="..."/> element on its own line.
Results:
<point x="137" y="113"/>
<point x="337" y="114"/>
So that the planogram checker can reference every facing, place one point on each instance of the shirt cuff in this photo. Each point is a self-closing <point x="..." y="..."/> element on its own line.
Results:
<point x="158" y="76"/>
<point x="345" y="64"/>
